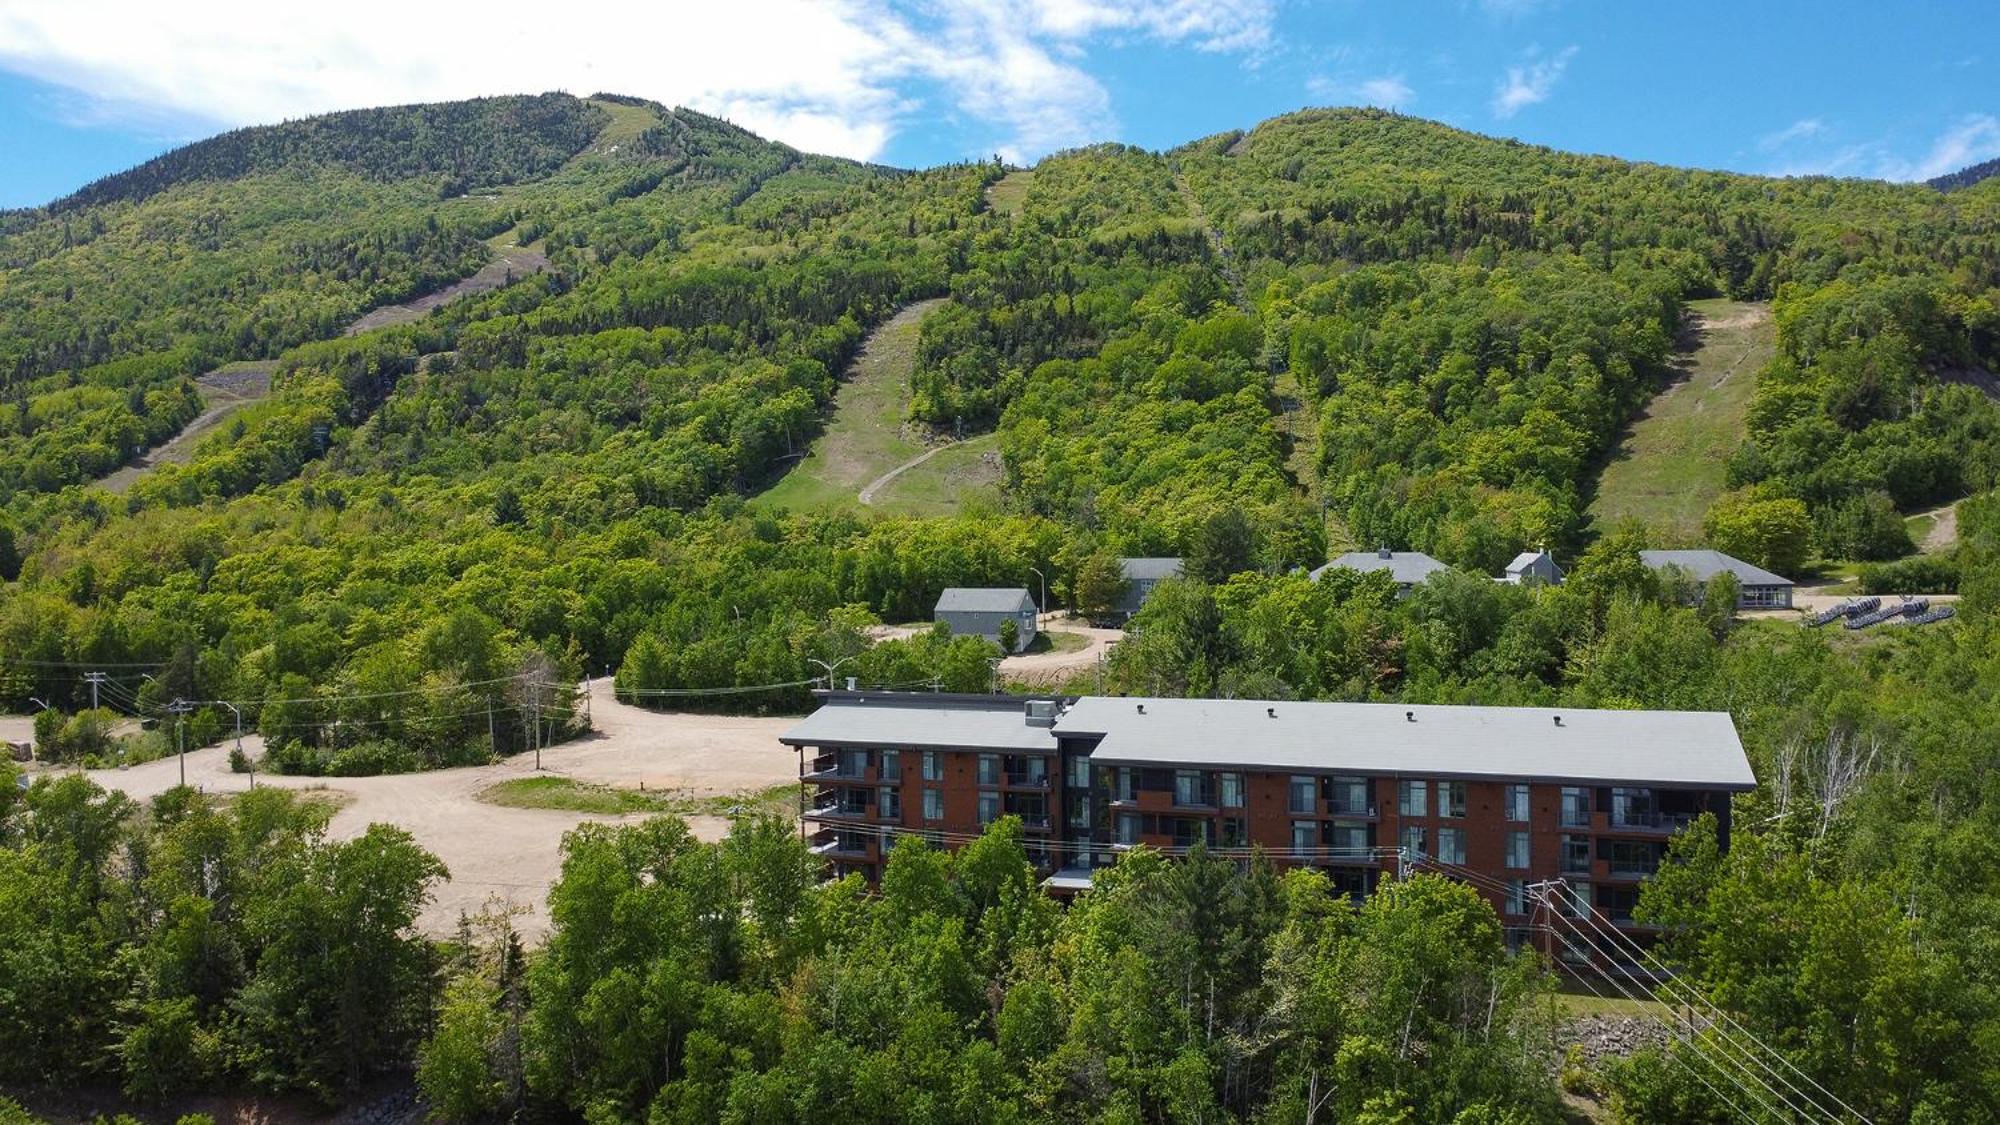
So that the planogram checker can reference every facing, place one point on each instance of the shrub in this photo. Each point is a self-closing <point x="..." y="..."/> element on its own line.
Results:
<point x="366" y="759"/>
<point x="1924" y="574"/>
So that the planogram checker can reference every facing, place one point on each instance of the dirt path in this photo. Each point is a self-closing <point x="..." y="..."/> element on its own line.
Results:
<point x="514" y="853"/>
<point x="1671" y="464"/>
<point x="1050" y="667"/>
<point x="1940" y="533"/>
<point x="1007" y="195"/>
<point x="1224" y="260"/>
<point x="224" y="390"/>
<point x="868" y="491"/>
<point x="865" y="443"/>
<point x="511" y="264"/>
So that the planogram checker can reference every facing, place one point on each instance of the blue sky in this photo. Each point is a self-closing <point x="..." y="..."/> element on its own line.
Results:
<point x="88" y="87"/>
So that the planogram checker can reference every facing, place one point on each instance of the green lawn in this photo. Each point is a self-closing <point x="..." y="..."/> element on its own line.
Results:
<point x="1007" y="196"/>
<point x="1669" y="468"/>
<point x="945" y="483"/>
<point x="569" y="795"/>
<point x="866" y="440"/>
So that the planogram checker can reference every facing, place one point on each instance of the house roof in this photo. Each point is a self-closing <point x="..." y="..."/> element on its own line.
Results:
<point x="1407" y="567"/>
<point x="1000" y="723"/>
<point x="1144" y="570"/>
<point x="1524" y="560"/>
<point x="983" y="599"/>
<point x="1696" y="749"/>
<point x="1704" y="564"/>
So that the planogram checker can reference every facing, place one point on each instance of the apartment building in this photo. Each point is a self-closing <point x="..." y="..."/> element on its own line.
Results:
<point x="1506" y="796"/>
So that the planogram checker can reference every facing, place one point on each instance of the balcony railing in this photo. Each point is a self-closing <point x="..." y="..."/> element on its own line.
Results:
<point x="1642" y="868"/>
<point x="1018" y="780"/>
<point x="1652" y="821"/>
<point x="1339" y="808"/>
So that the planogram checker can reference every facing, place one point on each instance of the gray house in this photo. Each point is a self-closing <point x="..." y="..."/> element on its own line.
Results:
<point x="1758" y="588"/>
<point x="1141" y="575"/>
<point x="978" y="611"/>
<point x="1408" y="568"/>
<point x="1537" y="566"/>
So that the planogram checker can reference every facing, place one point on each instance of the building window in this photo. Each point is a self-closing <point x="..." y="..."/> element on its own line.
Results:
<point x="1517" y="896"/>
<point x="933" y="803"/>
<point x="1305" y="794"/>
<point x="852" y="763"/>
<point x="989" y="808"/>
<point x="1413" y="798"/>
<point x="1305" y="838"/>
<point x="1231" y="785"/>
<point x="1079" y="772"/>
<point x="1451" y="845"/>
<point x="1349" y="837"/>
<point x="1235" y="832"/>
<point x="989" y="769"/>
<point x="1576" y="807"/>
<point x="1517" y="850"/>
<point x="888" y="804"/>
<point x="892" y="765"/>
<point x="1188" y="788"/>
<point x="1451" y="799"/>
<point x="1517" y="803"/>
<point x="1128" y="828"/>
<point x="933" y="768"/>
<point x="1577" y="901"/>
<point x="1079" y="811"/>
<point x="1348" y="796"/>
<point x="1126" y="791"/>
<point x="1576" y="855"/>
<point x="1414" y="842"/>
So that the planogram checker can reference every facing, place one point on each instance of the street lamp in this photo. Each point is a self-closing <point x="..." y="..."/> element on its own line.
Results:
<point x="42" y="703"/>
<point x="238" y="712"/>
<point x="829" y="668"/>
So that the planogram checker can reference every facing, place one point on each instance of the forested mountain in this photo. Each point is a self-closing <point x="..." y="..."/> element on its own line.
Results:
<point x="1433" y="339"/>
<point x="1967" y="176"/>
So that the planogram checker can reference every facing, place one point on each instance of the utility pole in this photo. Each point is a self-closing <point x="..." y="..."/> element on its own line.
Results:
<point x="179" y="709"/>
<point x="238" y="712"/>
<point x="94" y="679"/>
<point x="1045" y="587"/>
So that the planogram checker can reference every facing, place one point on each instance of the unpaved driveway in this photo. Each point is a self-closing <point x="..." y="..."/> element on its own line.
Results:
<point x="1048" y="667"/>
<point x="514" y="853"/>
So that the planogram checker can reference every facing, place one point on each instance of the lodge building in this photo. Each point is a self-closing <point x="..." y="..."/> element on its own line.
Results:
<point x="1508" y="796"/>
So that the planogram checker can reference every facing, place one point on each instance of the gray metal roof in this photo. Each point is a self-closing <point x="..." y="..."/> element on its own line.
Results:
<point x="1697" y="749"/>
<point x="1145" y="570"/>
<point x="1705" y="564"/>
<point x="983" y="599"/>
<point x="1407" y="567"/>
<point x="1524" y="560"/>
<point x="876" y="721"/>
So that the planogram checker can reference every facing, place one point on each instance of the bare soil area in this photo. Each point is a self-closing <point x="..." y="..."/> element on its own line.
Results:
<point x="513" y="854"/>
<point x="513" y="262"/>
<point x="225" y="390"/>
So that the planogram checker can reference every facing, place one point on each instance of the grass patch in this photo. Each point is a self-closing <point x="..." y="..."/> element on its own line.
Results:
<point x="566" y="794"/>
<point x="1007" y="196"/>
<point x="1573" y="997"/>
<point x="864" y="437"/>
<point x="1670" y="466"/>
<point x="944" y="484"/>
<point x="1051" y="640"/>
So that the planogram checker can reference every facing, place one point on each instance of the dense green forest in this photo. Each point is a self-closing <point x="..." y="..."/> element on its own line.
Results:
<point x="1343" y="327"/>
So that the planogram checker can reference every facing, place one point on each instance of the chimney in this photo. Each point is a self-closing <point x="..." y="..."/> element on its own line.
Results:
<point x="1381" y="552"/>
<point x="851" y="681"/>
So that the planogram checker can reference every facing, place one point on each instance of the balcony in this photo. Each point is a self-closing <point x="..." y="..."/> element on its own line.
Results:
<point x="1014" y="779"/>
<point x="1350" y="811"/>
<point x="1632" y="820"/>
<point x="829" y="769"/>
<point x="839" y="810"/>
<point x="844" y="848"/>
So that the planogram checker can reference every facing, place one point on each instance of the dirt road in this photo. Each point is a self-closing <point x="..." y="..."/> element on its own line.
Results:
<point x="224" y="391"/>
<point x="508" y="852"/>
<point x="513" y="263"/>
<point x="1053" y="666"/>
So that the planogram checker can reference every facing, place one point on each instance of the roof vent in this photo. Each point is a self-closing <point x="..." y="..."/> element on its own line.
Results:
<point x="1558" y="719"/>
<point x="1142" y="708"/>
<point x="1271" y="711"/>
<point x="1381" y="552"/>
<point x="1409" y="716"/>
<point x="1041" y="712"/>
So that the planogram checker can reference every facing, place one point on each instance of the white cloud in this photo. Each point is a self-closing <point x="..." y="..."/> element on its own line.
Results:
<point x="1803" y="129"/>
<point x="1969" y="140"/>
<point x="1530" y="83"/>
<point x="835" y="76"/>
<point x="1387" y="91"/>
